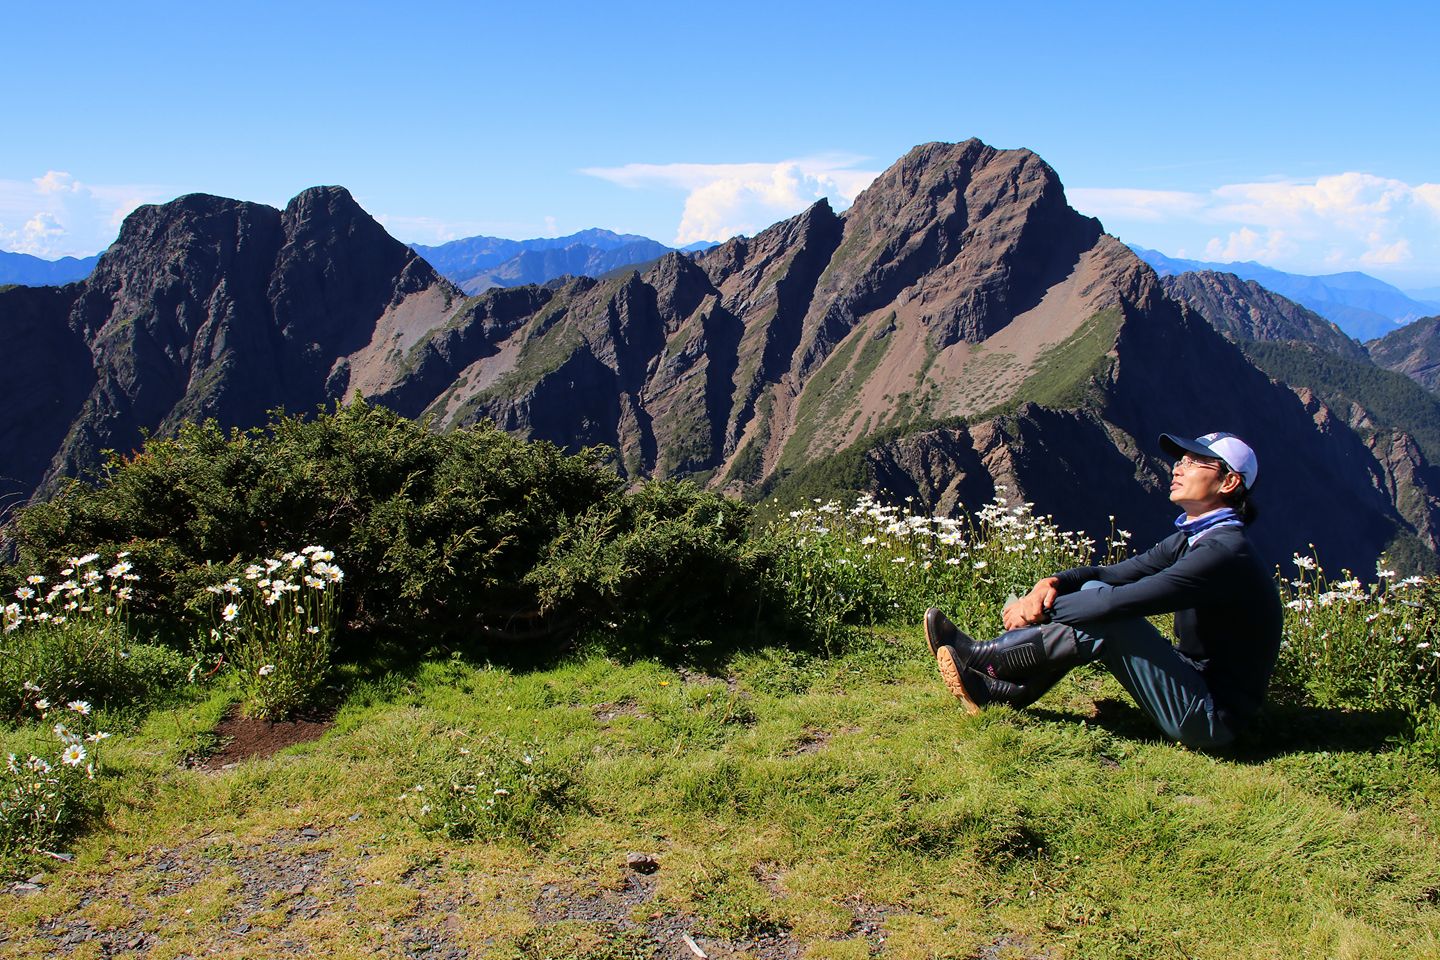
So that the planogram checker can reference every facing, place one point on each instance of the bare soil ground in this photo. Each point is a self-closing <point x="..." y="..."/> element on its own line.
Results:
<point x="240" y="738"/>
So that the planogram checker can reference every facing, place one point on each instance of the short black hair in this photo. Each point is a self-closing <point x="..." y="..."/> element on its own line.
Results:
<point x="1239" y="498"/>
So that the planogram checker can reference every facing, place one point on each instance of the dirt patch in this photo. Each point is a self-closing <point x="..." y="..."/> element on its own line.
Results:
<point x="869" y="924"/>
<point x="619" y="917"/>
<point x="687" y="675"/>
<point x="241" y="738"/>
<point x="1009" y="946"/>
<point x="813" y="740"/>
<point x="607" y="712"/>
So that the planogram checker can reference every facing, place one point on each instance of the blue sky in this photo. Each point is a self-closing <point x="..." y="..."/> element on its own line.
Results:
<point x="1301" y="136"/>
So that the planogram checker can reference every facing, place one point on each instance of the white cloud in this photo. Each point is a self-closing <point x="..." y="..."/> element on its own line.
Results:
<point x="1122" y="204"/>
<point x="1343" y="221"/>
<point x="56" y="215"/>
<point x="41" y="230"/>
<point x="56" y="182"/>
<point x="1246" y="244"/>
<point x="726" y="199"/>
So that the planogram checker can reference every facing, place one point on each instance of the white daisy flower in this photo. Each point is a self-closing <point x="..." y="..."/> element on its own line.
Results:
<point x="73" y="755"/>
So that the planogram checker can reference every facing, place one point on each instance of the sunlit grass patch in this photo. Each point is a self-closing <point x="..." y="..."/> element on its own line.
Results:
<point x="944" y="830"/>
<point x="819" y="790"/>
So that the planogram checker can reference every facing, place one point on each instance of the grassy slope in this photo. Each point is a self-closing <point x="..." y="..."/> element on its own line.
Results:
<point x="831" y="802"/>
<point x="1062" y="378"/>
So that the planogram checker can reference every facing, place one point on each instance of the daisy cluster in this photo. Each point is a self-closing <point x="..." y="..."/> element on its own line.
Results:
<point x="875" y="561"/>
<point x="275" y="626"/>
<point x="81" y="591"/>
<point x="1350" y="641"/>
<point x="41" y="796"/>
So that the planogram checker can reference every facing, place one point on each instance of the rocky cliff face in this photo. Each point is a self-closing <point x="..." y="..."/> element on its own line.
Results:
<point x="959" y="308"/>
<point x="959" y="285"/>
<point x="1413" y="350"/>
<point x="204" y="307"/>
<point x="1244" y="310"/>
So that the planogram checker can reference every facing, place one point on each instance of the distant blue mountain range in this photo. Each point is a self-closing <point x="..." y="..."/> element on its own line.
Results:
<point x="1362" y="306"/>
<point x="477" y="263"/>
<point x="31" y="271"/>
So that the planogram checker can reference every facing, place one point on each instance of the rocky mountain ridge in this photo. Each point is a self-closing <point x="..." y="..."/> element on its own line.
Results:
<point x="960" y="327"/>
<point x="1361" y="305"/>
<point x="203" y="307"/>
<point x="1413" y="350"/>
<point x="1244" y="310"/>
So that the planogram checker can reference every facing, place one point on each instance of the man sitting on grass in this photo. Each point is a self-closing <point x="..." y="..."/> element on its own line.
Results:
<point x="1227" y="614"/>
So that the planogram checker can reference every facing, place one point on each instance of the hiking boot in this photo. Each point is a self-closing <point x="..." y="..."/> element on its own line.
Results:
<point x="1025" y="654"/>
<point x="970" y="688"/>
<point x="977" y="691"/>
<point x="940" y="632"/>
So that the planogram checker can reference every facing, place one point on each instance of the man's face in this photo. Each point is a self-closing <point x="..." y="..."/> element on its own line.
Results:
<point x="1196" y="482"/>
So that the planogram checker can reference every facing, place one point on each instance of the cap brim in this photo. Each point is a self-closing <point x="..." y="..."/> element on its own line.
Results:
<point x="1179" y="446"/>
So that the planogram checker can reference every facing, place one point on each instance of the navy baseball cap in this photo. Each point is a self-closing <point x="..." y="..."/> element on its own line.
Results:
<point x="1235" y="453"/>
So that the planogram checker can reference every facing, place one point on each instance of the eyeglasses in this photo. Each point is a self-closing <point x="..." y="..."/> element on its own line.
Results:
<point x="1188" y="462"/>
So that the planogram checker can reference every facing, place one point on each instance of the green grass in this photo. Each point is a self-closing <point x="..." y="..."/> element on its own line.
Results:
<point x="831" y="391"/>
<point x="785" y="793"/>
<point x="1064" y="375"/>
<point x="749" y="463"/>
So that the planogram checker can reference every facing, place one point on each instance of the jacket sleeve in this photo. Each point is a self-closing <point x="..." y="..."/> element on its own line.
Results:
<point x="1146" y="564"/>
<point x="1194" y="579"/>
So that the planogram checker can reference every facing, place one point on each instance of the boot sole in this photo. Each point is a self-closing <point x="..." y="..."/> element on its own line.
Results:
<point x="950" y="673"/>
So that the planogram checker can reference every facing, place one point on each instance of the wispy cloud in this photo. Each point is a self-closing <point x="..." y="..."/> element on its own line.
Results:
<point x="1341" y="221"/>
<point x="56" y="215"/>
<point x="1123" y="204"/>
<point x="726" y="199"/>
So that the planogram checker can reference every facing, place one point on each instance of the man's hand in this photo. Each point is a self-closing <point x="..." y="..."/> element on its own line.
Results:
<point x="1033" y="607"/>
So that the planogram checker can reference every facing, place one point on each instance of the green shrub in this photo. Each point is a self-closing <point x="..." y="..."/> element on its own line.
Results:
<point x="666" y="561"/>
<point x="470" y="533"/>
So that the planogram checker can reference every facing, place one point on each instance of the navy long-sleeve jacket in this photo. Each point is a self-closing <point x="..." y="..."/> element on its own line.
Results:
<point x="1228" y="617"/>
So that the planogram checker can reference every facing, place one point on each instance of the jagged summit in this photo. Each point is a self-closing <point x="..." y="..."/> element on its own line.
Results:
<point x="959" y="325"/>
<point x="1244" y="310"/>
<point x="211" y="307"/>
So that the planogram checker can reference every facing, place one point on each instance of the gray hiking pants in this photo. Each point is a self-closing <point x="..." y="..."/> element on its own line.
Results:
<point x="1165" y="684"/>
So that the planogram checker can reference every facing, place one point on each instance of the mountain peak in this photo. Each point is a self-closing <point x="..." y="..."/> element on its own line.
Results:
<point x="960" y="285"/>
<point x="327" y="204"/>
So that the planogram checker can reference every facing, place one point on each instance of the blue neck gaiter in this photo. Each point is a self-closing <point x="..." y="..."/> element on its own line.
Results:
<point x="1193" y="528"/>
